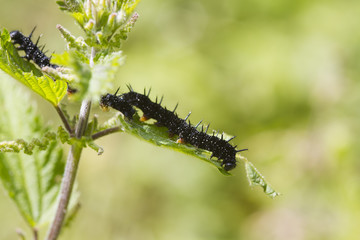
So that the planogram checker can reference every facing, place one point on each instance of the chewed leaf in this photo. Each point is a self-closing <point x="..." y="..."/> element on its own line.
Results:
<point x="257" y="179"/>
<point x="27" y="73"/>
<point x="160" y="137"/>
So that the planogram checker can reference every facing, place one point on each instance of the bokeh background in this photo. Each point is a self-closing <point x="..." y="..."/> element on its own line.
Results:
<point x="283" y="76"/>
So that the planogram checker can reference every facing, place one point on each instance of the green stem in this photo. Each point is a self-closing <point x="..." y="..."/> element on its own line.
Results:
<point x="64" y="120"/>
<point x="105" y="132"/>
<point x="71" y="167"/>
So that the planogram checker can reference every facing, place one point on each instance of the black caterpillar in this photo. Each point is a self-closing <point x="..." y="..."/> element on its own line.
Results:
<point x="187" y="133"/>
<point x="32" y="52"/>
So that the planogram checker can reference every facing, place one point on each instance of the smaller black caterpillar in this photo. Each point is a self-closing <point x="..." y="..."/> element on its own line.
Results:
<point x="32" y="52"/>
<point x="187" y="133"/>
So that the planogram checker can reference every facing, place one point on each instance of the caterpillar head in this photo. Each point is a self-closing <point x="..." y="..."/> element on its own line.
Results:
<point x="118" y="103"/>
<point x="105" y="101"/>
<point x="229" y="165"/>
<point x="16" y="36"/>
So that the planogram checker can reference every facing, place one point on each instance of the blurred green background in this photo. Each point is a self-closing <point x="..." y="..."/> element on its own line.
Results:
<point x="281" y="75"/>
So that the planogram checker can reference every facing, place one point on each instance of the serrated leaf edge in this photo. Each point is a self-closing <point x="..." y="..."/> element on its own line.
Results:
<point x="255" y="178"/>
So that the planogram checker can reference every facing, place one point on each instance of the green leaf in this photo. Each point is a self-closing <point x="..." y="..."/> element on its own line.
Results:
<point x="95" y="147"/>
<point x="124" y="31"/>
<point x="130" y="6"/>
<point x="63" y="135"/>
<point x="72" y="42"/>
<point x="94" y="82"/>
<point x="104" y="22"/>
<point x="92" y="126"/>
<point x="70" y="5"/>
<point x="104" y="74"/>
<point x="28" y="147"/>
<point x="32" y="182"/>
<point x="257" y="179"/>
<point x="27" y="73"/>
<point x="82" y="75"/>
<point x="160" y="137"/>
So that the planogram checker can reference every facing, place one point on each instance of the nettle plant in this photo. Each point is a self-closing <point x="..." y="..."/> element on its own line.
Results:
<point x="32" y="168"/>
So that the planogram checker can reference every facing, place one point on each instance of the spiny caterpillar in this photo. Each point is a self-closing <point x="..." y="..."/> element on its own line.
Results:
<point x="32" y="52"/>
<point x="186" y="132"/>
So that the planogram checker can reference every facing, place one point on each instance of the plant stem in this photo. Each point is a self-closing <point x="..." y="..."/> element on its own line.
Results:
<point x="105" y="132"/>
<point x="71" y="167"/>
<point x="64" y="120"/>
<point x="83" y="118"/>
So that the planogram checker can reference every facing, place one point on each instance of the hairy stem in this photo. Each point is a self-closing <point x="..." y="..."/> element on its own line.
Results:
<point x="71" y="167"/>
<point x="64" y="120"/>
<point x="105" y="132"/>
<point x="83" y="118"/>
